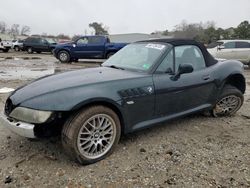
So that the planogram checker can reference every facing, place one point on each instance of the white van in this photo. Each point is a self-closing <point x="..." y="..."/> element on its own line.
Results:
<point x="231" y="49"/>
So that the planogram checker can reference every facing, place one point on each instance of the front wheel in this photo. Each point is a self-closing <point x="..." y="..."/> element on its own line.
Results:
<point x="64" y="56"/>
<point x="16" y="48"/>
<point x="229" y="102"/>
<point x="92" y="134"/>
<point x="6" y="50"/>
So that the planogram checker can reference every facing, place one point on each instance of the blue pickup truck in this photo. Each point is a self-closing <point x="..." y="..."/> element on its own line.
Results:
<point x="87" y="47"/>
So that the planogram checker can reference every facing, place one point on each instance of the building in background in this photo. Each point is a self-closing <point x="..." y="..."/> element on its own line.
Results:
<point x="10" y="37"/>
<point x="133" y="37"/>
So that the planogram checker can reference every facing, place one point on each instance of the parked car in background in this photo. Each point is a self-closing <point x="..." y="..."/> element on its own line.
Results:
<point x="84" y="47"/>
<point x="231" y="49"/>
<point x="5" y="45"/>
<point x="143" y="84"/>
<point x="17" y="45"/>
<point x="39" y="44"/>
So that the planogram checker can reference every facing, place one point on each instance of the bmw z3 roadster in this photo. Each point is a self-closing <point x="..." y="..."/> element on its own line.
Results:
<point x="145" y="83"/>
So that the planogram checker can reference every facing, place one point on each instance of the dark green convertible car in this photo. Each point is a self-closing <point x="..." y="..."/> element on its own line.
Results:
<point x="144" y="84"/>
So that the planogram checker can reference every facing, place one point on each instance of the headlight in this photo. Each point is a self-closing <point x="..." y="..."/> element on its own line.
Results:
<point x="30" y="115"/>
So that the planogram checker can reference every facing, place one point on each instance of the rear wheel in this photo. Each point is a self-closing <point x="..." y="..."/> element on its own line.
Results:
<point x="64" y="56"/>
<point x="92" y="134"/>
<point x="229" y="102"/>
<point x="38" y="52"/>
<point x="30" y="50"/>
<point x="16" y="48"/>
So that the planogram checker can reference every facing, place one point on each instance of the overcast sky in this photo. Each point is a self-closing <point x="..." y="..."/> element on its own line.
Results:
<point x="121" y="16"/>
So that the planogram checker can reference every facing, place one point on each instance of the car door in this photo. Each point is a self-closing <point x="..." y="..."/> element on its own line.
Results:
<point x="35" y="44"/>
<point x="227" y="51"/>
<point x="191" y="92"/>
<point x="242" y="51"/>
<point x="80" y="49"/>
<point x="43" y="45"/>
<point x="96" y="46"/>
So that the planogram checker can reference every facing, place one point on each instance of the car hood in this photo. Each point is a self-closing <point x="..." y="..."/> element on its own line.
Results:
<point x="70" y="80"/>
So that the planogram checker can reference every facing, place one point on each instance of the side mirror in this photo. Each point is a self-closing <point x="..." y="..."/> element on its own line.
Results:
<point x="182" y="69"/>
<point x="185" y="68"/>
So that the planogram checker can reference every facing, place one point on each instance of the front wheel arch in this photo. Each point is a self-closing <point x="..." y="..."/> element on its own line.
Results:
<point x="105" y="103"/>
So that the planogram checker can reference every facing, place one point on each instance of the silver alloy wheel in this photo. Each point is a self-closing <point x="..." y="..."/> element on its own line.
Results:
<point x="96" y="136"/>
<point x="63" y="56"/>
<point x="227" y="105"/>
<point x="16" y="48"/>
<point x="30" y="50"/>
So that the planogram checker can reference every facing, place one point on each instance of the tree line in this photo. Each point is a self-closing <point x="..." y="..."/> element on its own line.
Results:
<point x="208" y="32"/>
<point x="204" y="32"/>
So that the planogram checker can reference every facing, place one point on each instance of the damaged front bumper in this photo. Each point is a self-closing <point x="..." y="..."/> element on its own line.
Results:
<point x="18" y="127"/>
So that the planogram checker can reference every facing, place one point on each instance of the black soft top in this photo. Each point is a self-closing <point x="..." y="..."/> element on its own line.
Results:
<point x="209" y="59"/>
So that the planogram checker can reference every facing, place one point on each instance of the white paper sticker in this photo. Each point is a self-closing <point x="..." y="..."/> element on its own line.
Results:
<point x="155" y="46"/>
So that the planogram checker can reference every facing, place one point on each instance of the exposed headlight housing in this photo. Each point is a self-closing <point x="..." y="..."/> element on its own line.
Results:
<point x="30" y="115"/>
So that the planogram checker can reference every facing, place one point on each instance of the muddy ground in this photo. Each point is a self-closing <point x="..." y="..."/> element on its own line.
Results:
<point x="195" y="151"/>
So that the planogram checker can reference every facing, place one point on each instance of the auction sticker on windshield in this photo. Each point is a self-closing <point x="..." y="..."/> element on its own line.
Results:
<point x="155" y="46"/>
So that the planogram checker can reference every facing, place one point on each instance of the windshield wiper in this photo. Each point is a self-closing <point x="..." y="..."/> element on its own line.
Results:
<point x="115" y="67"/>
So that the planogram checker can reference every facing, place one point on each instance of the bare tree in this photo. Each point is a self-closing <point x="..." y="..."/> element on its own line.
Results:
<point x="14" y="30"/>
<point x="25" y="30"/>
<point x="3" y="27"/>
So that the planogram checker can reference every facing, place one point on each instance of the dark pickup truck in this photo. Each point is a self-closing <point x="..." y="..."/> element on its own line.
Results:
<point x="98" y="47"/>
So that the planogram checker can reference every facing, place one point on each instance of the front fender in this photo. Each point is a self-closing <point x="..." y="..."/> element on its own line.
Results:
<point x="71" y="98"/>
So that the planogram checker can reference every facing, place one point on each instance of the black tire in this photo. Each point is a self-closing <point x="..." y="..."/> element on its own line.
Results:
<point x="16" y="48"/>
<point x="38" y="52"/>
<point x="64" y="56"/>
<point x="229" y="102"/>
<point x="110" y="54"/>
<point x="30" y="50"/>
<point x="77" y="123"/>
<point x="5" y="50"/>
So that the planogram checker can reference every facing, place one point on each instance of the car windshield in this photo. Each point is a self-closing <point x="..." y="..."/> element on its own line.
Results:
<point x="137" y="56"/>
<point x="50" y="40"/>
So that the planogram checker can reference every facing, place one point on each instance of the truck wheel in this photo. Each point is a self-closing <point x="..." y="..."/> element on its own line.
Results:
<point x="30" y="50"/>
<point x="16" y="48"/>
<point x="64" y="56"/>
<point x="229" y="102"/>
<point x="92" y="134"/>
<point x="5" y="50"/>
<point x="110" y="54"/>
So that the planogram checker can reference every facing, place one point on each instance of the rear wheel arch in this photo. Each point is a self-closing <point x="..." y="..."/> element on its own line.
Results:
<point x="110" y="53"/>
<point x="236" y="80"/>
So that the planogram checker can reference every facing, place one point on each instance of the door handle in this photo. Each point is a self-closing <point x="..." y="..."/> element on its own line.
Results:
<point x="206" y="77"/>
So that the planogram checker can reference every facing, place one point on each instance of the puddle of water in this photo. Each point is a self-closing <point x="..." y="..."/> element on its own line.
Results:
<point x="19" y="58"/>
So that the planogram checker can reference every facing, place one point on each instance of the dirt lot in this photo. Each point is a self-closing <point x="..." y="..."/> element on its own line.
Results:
<point x="195" y="151"/>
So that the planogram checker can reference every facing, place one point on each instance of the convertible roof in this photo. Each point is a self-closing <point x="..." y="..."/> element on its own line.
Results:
<point x="209" y="59"/>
